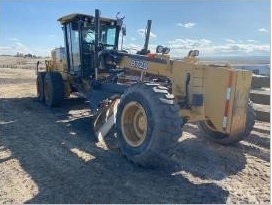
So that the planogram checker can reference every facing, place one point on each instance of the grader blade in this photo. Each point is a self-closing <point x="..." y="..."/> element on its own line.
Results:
<point x="105" y="120"/>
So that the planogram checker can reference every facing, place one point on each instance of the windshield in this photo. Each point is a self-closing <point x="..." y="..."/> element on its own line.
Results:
<point x="88" y="35"/>
<point x="107" y="35"/>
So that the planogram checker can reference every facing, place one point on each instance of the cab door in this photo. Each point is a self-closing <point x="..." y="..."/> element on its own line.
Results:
<point x="72" y="48"/>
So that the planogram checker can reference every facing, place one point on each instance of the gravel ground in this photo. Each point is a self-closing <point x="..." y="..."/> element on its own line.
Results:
<point x="50" y="156"/>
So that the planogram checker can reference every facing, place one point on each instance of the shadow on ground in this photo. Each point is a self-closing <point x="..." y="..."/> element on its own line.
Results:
<point x="56" y="148"/>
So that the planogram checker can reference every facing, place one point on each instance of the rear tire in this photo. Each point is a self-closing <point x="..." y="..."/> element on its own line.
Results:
<point x="53" y="89"/>
<point x="40" y="86"/>
<point x="147" y="124"/>
<point x="207" y="131"/>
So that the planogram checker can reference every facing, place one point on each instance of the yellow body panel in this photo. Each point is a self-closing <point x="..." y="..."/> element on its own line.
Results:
<point x="156" y="68"/>
<point x="226" y="115"/>
<point x="196" y="86"/>
<point x="216" y="84"/>
<point x="238" y="114"/>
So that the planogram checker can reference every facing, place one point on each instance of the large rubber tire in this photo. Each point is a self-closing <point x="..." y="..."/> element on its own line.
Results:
<point x="53" y="89"/>
<point x="226" y="139"/>
<point x="40" y="86"/>
<point x="147" y="124"/>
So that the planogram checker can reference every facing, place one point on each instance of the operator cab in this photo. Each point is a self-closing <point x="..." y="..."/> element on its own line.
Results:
<point x="79" y="39"/>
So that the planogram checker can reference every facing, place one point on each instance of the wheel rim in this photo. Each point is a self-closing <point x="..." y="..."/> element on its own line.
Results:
<point x="134" y="124"/>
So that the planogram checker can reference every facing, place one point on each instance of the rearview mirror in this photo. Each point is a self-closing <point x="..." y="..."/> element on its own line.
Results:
<point x="124" y="31"/>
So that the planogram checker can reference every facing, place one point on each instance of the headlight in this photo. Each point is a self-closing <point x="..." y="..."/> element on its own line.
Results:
<point x="159" y="49"/>
<point x="165" y="50"/>
<point x="193" y="53"/>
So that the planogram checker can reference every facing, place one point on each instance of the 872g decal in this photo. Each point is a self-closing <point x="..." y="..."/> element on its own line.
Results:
<point x="139" y="64"/>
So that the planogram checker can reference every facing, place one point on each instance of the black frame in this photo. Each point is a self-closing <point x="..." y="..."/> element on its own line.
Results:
<point x="79" y="20"/>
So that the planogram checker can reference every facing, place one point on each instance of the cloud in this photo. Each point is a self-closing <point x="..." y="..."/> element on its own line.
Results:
<point x="132" y="48"/>
<point x="245" y="48"/>
<point x="13" y="39"/>
<point x="181" y="47"/>
<point x="42" y="51"/>
<point x="251" y="41"/>
<point x="186" y="25"/>
<point x="189" y="43"/>
<point x="242" y="47"/>
<point x="15" y="47"/>
<point x="142" y="31"/>
<point x="230" y="40"/>
<point x="262" y="30"/>
<point x="133" y="39"/>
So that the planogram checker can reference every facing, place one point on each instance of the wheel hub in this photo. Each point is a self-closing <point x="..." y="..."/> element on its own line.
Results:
<point x="134" y="124"/>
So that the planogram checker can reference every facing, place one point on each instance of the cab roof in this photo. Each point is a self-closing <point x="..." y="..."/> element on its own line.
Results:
<point x="77" y="16"/>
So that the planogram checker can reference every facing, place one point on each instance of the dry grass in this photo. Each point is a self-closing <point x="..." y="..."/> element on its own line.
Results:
<point x="20" y="62"/>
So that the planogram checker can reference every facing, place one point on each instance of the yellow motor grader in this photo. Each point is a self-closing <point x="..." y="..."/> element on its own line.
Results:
<point x="146" y="98"/>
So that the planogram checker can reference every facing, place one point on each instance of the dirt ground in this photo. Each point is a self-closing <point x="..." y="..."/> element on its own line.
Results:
<point x="50" y="156"/>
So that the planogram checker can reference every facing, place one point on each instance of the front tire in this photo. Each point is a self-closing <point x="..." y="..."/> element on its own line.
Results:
<point x="147" y="124"/>
<point x="53" y="89"/>
<point x="40" y="86"/>
<point x="207" y="130"/>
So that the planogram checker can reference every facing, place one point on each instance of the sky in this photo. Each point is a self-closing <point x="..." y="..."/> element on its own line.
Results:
<point x="215" y="28"/>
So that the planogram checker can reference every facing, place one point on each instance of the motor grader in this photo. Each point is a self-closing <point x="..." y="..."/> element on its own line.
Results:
<point x="145" y="98"/>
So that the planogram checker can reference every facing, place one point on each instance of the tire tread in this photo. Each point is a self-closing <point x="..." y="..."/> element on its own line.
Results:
<point x="167" y="129"/>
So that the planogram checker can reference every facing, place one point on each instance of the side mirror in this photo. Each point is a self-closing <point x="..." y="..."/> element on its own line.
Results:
<point x="124" y="31"/>
<point x="119" y="19"/>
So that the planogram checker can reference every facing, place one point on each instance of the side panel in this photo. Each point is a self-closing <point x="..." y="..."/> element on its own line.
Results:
<point x="150" y="65"/>
<point x="240" y="103"/>
<point x="218" y="96"/>
<point x="58" y="59"/>
<point x="226" y="97"/>
<point x="192" y="74"/>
